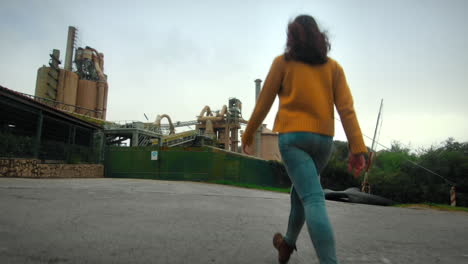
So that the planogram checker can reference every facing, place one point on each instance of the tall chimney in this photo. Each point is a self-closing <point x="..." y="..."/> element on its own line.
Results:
<point x="69" y="51"/>
<point x="258" y="84"/>
<point x="258" y="134"/>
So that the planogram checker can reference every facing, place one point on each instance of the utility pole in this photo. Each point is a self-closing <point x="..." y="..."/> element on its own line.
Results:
<point x="365" y="187"/>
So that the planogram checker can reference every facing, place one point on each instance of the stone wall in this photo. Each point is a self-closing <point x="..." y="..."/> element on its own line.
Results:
<point x="33" y="168"/>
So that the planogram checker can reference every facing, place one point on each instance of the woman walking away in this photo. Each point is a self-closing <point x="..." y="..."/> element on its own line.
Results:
<point x="309" y="84"/>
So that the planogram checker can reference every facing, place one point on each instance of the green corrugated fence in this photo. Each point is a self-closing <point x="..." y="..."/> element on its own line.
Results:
<point x="193" y="164"/>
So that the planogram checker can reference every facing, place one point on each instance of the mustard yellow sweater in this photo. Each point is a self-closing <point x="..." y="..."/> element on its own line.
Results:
<point x="307" y="95"/>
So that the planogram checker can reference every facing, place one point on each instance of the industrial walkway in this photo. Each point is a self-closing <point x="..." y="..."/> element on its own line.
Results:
<point x="148" y="221"/>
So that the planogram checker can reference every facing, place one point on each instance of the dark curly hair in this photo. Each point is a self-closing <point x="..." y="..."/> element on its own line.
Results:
<point x="306" y="42"/>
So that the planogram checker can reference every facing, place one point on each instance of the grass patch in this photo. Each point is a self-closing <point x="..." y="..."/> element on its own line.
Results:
<point x="253" y="186"/>
<point x="441" y="207"/>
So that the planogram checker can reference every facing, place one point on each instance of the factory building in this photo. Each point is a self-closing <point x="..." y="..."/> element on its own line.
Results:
<point x="82" y="90"/>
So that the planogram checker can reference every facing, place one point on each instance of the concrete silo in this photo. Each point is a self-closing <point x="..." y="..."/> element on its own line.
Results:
<point x="67" y="89"/>
<point x="86" y="97"/>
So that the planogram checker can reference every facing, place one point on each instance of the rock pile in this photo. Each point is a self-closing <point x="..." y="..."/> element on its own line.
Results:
<point x="33" y="168"/>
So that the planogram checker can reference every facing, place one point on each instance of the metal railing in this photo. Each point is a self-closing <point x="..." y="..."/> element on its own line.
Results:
<point x="65" y="107"/>
<point x="161" y="129"/>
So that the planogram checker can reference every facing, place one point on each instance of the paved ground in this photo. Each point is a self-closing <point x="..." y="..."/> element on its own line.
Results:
<point x="146" y="221"/>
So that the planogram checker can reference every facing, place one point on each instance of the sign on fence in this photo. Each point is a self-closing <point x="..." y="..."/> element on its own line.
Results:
<point x="154" y="155"/>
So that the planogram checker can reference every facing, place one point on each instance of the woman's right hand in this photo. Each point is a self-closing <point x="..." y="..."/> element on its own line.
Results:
<point x="247" y="149"/>
<point x="356" y="163"/>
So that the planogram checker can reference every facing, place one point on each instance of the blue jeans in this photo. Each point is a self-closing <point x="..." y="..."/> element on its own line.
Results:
<point x="305" y="155"/>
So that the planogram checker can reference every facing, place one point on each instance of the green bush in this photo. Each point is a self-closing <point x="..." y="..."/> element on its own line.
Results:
<point x="396" y="175"/>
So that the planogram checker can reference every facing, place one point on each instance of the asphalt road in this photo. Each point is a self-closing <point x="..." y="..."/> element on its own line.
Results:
<point x="147" y="221"/>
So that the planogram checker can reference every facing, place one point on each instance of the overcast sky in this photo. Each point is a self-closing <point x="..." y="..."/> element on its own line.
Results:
<point x="175" y="57"/>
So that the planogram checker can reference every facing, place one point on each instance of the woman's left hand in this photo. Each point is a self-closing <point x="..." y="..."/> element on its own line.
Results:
<point x="356" y="164"/>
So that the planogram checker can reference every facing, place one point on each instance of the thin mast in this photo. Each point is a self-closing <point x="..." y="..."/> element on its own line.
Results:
<point x="365" y="184"/>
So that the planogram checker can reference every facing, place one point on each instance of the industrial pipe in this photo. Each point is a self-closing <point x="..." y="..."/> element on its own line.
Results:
<point x="209" y="115"/>
<point x="157" y="122"/>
